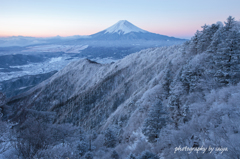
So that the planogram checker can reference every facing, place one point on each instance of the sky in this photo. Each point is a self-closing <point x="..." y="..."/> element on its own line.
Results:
<point x="47" y="18"/>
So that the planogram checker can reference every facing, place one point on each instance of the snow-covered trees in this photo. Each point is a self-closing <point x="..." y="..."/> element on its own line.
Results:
<point x="167" y="80"/>
<point x="225" y="46"/>
<point x="230" y="23"/>
<point x="183" y="95"/>
<point x="194" y="42"/>
<point x="154" y="122"/>
<point x="215" y="66"/>
<point x="31" y="137"/>
<point x="38" y="138"/>
<point x="213" y="123"/>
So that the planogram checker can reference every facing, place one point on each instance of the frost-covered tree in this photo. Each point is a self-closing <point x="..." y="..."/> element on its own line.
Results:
<point x="229" y="24"/>
<point x="178" y="89"/>
<point x="205" y="38"/>
<point x="32" y="136"/>
<point x="226" y="57"/>
<point x="231" y="54"/>
<point x="202" y="41"/>
<point x="167" y="80"/>
<point x="110" y="139"/>
<point x="216" y="39"/>
<point x="154" y="122"/>
<point x="194" y="42"/>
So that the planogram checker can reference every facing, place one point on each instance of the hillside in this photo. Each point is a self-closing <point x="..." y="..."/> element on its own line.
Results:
<point x="148" y="104"/>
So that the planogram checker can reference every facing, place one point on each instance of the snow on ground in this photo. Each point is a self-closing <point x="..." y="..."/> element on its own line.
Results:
<point x="37" y="68"/>
<point x="56" y="59"/>
<point x="104" y="60"/>
<point x="57" y="48"/>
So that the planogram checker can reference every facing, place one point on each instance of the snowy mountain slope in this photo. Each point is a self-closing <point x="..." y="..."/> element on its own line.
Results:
<point x="193" y="87"/>
<point x="124" y="30"/>
<point x="85" y="87"/>
<point x="132" y="75"/>
<point x="123" y="27"/>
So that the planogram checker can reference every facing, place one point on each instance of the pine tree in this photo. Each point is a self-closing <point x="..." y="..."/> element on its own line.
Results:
<point x="180" y="86"/>
<point x="216" y="40"/>
<point x="155" y="121"/>
<point x="194" y="42"/>
<point x="227" y="55"/>
<point x="204" y="40"/>
<point x="167" y="80"/>
<point x="229" y="24"/>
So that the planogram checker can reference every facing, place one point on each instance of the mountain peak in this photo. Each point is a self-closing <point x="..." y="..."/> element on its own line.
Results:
<point x="123" y="27"/>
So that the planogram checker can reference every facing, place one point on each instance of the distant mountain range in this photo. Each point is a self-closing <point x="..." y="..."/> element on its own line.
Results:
<point x="122" y="30"/>
<point x="22" y="57"/>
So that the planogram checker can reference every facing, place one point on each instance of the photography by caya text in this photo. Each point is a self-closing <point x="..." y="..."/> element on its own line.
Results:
<point x="200" y="149"/>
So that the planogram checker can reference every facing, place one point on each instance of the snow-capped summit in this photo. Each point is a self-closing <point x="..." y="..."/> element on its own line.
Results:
<point x="123" y="27"/>
<point x="126" y="31"/>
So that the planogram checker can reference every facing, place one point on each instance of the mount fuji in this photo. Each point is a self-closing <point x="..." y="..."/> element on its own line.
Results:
<point x="124" y="30"/>
<point x="123" y="27"/>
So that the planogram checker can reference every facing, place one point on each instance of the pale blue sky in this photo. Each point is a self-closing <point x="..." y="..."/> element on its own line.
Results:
<point x="179" y="18"/>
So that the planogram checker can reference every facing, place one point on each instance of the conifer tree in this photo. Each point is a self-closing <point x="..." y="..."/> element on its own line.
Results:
<point x="229" y="24"/>
<point x="154" y="122"/>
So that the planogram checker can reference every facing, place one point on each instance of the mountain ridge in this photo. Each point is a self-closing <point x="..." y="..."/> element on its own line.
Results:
<point x="124" y="30"/>
<point x="123" y="27"/>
